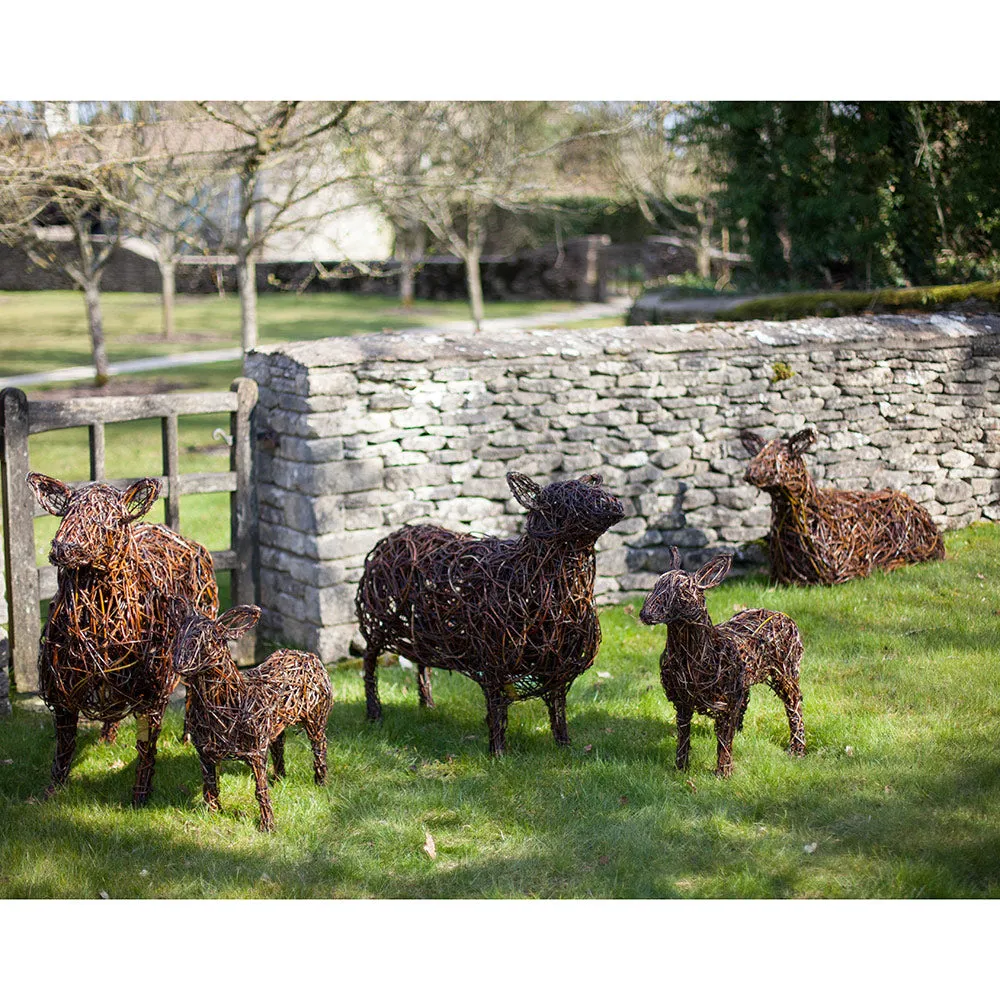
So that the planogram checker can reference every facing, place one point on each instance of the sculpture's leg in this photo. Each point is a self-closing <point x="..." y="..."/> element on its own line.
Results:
<point x="147" y="731"/>
<point x="278" y="754"/>
<point x="684" y="713"/>
<point x="744" y="704"/>
<point x="316" y="731"/>
<point x="556" y="702"/>
<point x="496" y="720"/>
<point x="424" y="686"/>
<point x="66" y="722"/>
<point x="210" y="783"/>
<point x="186" y="735"/>
<point x="787" y="689"/>
<point x="371" y="684"/>
<point x="109" y="731"/>
<point x="258" y="762"/>
<point x="725" y="728"/>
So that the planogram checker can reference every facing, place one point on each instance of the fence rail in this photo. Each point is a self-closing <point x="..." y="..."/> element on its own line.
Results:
<point x="28" y="584"/>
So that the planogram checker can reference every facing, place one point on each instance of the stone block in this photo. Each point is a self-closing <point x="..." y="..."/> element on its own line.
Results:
<point x="951" y="491"/>
<point x="955" y="459"/>
<point x="342" y="544"/>
<point x="491" y="489"/>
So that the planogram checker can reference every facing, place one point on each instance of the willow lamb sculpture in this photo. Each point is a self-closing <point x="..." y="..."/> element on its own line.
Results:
<point x="829" y="535"/>
<point x="105" y="649"/>
<point x="514" y="614"/>
<point x="241" y="714"/>
<point x="710" y="669"/>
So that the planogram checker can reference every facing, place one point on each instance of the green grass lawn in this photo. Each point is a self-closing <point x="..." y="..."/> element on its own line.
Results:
<point x="47" y="330"/>
<point x="898" y="795"/>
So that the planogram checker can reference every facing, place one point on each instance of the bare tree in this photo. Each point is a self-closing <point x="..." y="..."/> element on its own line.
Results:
<point x="390" y="159"/>
<point x="668" y="180"/>
<point x="53" y="207"/>
<point x="447" y="166"/>
<point x="281" y="158"/>
<point x="176" y="188"/>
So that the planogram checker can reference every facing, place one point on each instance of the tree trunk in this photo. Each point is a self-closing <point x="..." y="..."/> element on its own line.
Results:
<point x="246" y="279"/>
<point x="703" y="251"/>
<point x="168" y="272"/>
<point x="413" y="250"/>
<point x="474" y="283"/>
<point x="727" y="271"/>
<point x="703" y="258"/>
<point x="92" y="298"/>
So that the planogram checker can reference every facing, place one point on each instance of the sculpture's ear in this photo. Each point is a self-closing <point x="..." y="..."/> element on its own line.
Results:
<point x="234" y="622"/>
<point x="525" y="490"/>
<point x="801" y="442"/>
<point x="140" y="497"/>
<point x="752" y="442"/>
<point x="714" y="571"/>
<point x="675" y="557"/>
<point x="50" y="493"/>
<point x="651" y="612"/>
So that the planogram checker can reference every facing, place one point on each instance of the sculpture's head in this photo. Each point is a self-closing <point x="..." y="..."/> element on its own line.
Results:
<point x="572" y="510"/>
<point x="96" y="518"/>
<point x="777" y="466"/>
<point x="202" y="643"/>
<point x="678" y="596"/>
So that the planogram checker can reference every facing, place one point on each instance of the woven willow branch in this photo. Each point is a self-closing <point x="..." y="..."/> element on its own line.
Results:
<point x="104" y="650"/>
<point x="515" y="614"/>
<point x="828" y="535"/>
<point x="710" y="669"/>
<point x="241" y="714"/>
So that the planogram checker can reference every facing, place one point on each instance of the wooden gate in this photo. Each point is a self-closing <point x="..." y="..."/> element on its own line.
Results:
<point x="28" y="584"/>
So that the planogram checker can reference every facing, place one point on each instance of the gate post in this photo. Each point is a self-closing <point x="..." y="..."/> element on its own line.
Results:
<point x="243" y="509"/>
<point x="19" y="539"/>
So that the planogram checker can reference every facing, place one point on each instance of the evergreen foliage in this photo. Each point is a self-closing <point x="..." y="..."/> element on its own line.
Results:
<point x="857" y="194"/>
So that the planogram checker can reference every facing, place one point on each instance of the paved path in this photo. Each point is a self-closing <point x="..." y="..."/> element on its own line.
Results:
<point x="591" y="310"/>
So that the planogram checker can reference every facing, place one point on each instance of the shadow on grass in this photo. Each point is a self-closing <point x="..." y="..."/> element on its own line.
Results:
<point x="912" y="817"/>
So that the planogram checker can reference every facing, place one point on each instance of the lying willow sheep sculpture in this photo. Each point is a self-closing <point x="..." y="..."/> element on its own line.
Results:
<point x="710" y="669"/>
<point x="241" y="714"/>
<point x="514" y="614"/>
<point x="104" y="651"/>
<point x="828" y="535"/>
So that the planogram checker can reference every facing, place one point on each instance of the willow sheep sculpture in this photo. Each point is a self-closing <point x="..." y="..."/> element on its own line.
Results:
<point x="235" y="714"/>
<point x="828" y="535"/>
<point x="516" y="615"/>
<point x="105" y="648"/>
<point x="710" y="669"/>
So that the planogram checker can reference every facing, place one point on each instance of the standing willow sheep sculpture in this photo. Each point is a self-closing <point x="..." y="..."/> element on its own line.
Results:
<point x="241" y="714"/>
<point x="515" y="614"/>
<point x="105" y="648"/>
<point x="710" y="669"/>
<point x="829" y="535"/>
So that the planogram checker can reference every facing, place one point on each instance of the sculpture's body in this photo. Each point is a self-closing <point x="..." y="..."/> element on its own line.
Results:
<point x="241" y="714"/>
<point x="104" y="650"/>
<point x="516" y="615"/>
<point x="828" y="535"/>
<point x="710" y="669"/>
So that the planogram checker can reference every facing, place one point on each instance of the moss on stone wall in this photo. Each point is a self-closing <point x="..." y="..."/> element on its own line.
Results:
<point x="971" y="298"/>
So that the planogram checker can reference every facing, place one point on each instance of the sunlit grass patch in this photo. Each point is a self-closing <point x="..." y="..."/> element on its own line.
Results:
<point x="897" y="796"/>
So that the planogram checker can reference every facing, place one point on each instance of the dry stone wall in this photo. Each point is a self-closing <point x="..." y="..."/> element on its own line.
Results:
<point x="362" y="435"/>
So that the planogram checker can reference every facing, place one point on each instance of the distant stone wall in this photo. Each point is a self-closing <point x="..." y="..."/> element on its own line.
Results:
<point x="574" y="271"/>
<point x="365" y="434"/>
<point x="124" y="272"/>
